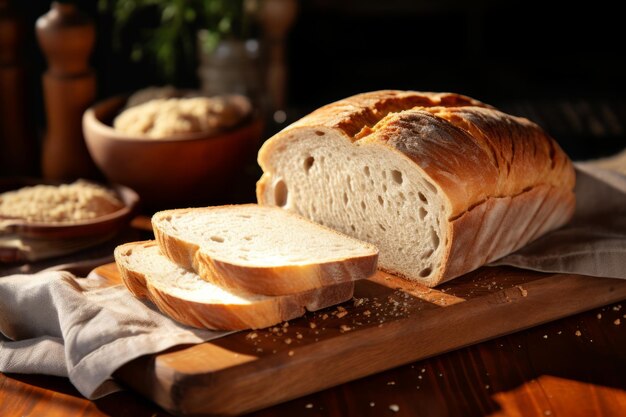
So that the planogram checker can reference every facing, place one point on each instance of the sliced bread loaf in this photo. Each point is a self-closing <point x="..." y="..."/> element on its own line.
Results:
<point x="262" y="250"/>
<point x="187" y="298"/>
<point x="439" y="182"/>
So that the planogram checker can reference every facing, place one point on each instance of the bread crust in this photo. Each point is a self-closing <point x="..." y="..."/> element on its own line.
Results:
<point x="279" y="280"/>
<point x="354" y="114"/>
<point x="505" y="180"/>
<point x="261" y="313"/>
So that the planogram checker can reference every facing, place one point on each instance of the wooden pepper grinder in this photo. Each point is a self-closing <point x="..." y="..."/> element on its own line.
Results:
<point x="66" y="37"/>
<point x="276" y="18"/>
<point x="17" y="137"/>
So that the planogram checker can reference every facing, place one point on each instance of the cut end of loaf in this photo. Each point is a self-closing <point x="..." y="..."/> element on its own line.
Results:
<point x="368" y="192"/>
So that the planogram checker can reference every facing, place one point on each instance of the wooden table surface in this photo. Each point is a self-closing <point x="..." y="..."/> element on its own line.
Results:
<point x="571" y="367"/>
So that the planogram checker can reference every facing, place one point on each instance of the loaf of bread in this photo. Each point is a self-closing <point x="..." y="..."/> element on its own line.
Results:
<point x="439" y="182"/>
<point x="187" y="298"/>
<point x="261" y="250"/>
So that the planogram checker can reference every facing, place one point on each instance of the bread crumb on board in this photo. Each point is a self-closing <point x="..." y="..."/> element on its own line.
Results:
<point x="578" y="333"/>
<point x="359" y="301"/>
<point x="522" y="290"/>
<point x="617" y="322"/>
<point x="394" y="407"/>
<point x="362" y="312"/>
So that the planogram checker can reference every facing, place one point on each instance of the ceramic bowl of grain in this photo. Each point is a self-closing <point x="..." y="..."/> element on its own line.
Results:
<point x="38" y="209"/>
<point x="45" y="219"/>
<point x="177" y="168"/>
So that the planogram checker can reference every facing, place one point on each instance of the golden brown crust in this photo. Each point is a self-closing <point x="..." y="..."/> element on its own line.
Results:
<point x="475" y="153"/>
<point x="287" y="279"/>
<point x="502" y="225"/>
<point x="353" y="114"/>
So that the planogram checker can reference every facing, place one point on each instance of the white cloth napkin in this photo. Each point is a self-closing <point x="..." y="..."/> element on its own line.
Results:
<point x="594" y="242"/>
<point x="53" y="323"/>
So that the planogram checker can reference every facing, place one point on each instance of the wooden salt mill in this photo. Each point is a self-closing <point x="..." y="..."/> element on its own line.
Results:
<point x="17" y="137"/>
<point x="66" y="37"/>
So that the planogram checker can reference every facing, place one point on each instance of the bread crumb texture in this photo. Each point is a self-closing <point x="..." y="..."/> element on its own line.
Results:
<point x="66" y="203"/>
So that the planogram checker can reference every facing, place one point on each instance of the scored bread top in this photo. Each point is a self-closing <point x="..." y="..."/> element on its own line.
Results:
<point x="471" y="150"/>
<point x="355" y="114"/>
<point x="264" y="250"/>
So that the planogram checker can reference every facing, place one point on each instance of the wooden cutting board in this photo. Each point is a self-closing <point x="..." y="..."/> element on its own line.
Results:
<point x="389" y="323"/>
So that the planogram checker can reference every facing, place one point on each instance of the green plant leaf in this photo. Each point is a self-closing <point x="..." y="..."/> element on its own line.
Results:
<point x="169" y="13"/>
<point x="165" y="31"/>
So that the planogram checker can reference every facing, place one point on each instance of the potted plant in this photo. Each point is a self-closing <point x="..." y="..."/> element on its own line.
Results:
<point x="169" y="33"/>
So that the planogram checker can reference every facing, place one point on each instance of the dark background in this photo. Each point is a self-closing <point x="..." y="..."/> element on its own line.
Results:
<point x="561" y="65"/>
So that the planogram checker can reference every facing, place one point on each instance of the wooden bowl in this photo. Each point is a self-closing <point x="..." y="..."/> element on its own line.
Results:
<point x="183" y="170"/>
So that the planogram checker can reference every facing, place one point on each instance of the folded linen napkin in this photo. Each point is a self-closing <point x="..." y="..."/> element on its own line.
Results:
<point x="56" y="324"/>
<point x="53" y="323"/>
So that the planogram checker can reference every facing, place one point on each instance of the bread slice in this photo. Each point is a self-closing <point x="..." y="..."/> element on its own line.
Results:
<point x="439" y="182"/>
<point x="262" y="250"/>
<point x="187" y="298"/>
